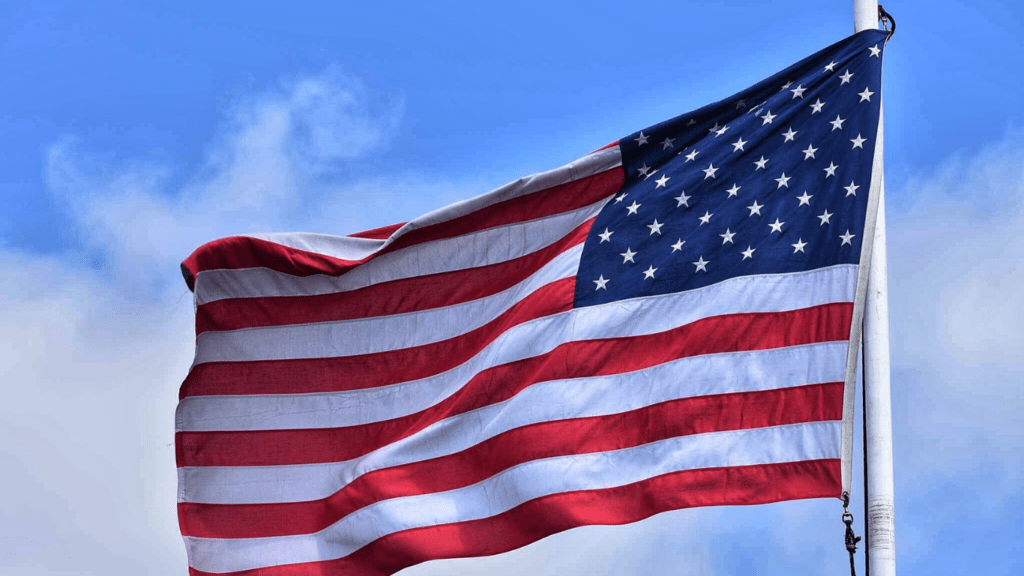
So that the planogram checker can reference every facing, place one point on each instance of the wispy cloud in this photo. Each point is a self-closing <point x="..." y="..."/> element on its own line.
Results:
<point x="93" y="355"/>
<point x="274" y="148"/>
<point x="957" y="289"/>
<point x="957" y="299"/>
<point x="87" y="465"/>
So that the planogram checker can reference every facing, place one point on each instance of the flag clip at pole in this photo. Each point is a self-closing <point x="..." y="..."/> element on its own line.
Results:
<point x="851" y="538"/>
<point x="888" y="22"/>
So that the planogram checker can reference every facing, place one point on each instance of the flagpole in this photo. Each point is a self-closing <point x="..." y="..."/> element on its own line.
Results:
<point x="880" y="545"/>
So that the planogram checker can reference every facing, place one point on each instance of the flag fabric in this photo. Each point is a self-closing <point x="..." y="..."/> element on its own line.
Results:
<point x="665" y="323"/>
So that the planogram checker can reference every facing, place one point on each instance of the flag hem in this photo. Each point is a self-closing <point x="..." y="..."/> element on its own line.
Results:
<point x="857" y="324"/>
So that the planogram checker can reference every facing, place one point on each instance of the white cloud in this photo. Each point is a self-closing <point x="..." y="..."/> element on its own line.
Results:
<point x="93" y="356"/>
<point x="88" y="378"/>
<point x="275" y="147"/>
<point x="957" y="299"/>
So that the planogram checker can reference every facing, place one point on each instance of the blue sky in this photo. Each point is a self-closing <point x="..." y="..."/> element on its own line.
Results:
<point x="132" y="135"/>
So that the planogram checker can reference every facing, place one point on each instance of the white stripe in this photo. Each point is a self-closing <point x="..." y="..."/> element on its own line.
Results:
<point x="544" y="402"/>
<point x="473" y="250"/>
<point x="645" y="315"/>
<point x="382" y="333"/>
<point x="351" y="248"/>
<point x="514" y="486"/>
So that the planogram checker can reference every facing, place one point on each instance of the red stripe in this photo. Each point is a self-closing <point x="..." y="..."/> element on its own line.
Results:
<point x="731" y="333"/>
<point x="245" y="252"/>
<point x="382" y="233"/>
<point x="536" y="519"/>
<point x="737" y="411"/>
<point x="396" y="297"/>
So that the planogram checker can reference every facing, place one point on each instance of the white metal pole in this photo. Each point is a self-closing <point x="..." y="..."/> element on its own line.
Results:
<point x="881" y="549"/>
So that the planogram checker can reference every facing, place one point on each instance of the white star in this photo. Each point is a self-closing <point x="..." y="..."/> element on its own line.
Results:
<point x="748" y="253"/>
<point x="783" y="181"/>
<point x="691" y="122"/>
<point x="851" y="190"/>
<point x="768" y="117"/>
<point x="809" y="152"/>
<point x="817" y="106"/>
<point x="831" y="170"/>
<point x="692" y="155"/>
<point x="606" y="236"/>
<point x="831" y="67"/>
<point x="847" y="238"/>
<point x="799" y="246"/>
<point x="661" y="181"/>
<point x="738" y="145"/>
<point x="805" y="199"/>
<point x="655" y="227"/>
<point x="641" y="140"/>
<point x="845" y="78"/>
<point x="649" y="273"/>
<point x="652" y="172"/>
<point x="798" y="92"/>
<point x="734" y="190"/>
<point x="727" y="237"/>
<point x="705" y="218"/>
<point x="627" y="256"/>
<point x="789" y="135"/>
<point x="761" y="163"/>
<point x="601" y="283"/>
<point x="683" y="199"/>
<point x="740" y="104"/>
<point x="786" y="85"/>
<point x="837" y="124"/>
<point x="643" y="170"/>
<point x="824" y="217"/>
<point x="667" y="143"/>
<point x="866" y="94"/>
<point x="678" y="245"/>
<point x="755" y="208"/>
<point x="701" y="264"/>
<point x="632" y="208"/>
<point x="621" y="197"/>
<point x="709" y="172"/>
<point x="713" y="128"/>
<point x="721" y="131"/>
<point x="874" y="51"/>
<point x="858" y="142"/>
<point x="776" y="226"/>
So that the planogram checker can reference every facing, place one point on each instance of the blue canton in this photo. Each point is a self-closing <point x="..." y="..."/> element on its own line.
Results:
<point x="773" y="179"/>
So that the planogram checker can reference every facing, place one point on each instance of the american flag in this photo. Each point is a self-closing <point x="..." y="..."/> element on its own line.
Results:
<point x="664" y="323"/>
